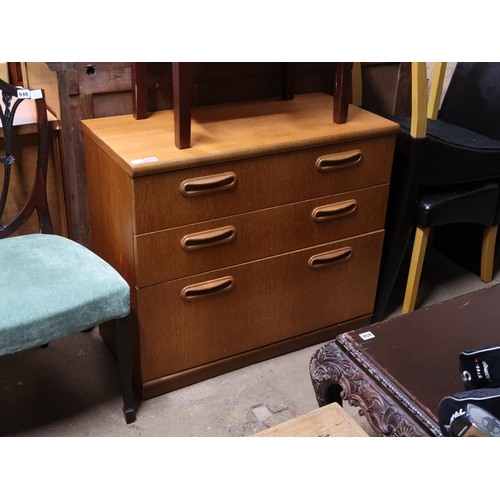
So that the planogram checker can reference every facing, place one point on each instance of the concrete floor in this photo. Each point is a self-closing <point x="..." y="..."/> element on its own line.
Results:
<point x="71" y="388"/>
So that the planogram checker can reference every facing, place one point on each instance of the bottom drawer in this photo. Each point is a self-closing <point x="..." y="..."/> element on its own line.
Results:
<point x="193" y="321"/>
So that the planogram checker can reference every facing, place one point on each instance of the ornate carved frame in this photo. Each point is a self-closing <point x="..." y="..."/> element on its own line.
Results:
<point x="340" y="371"/>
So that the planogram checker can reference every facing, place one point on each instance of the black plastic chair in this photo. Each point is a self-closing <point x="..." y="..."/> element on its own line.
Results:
<point x="446" y="170"/>
<point x="51" y="286"/>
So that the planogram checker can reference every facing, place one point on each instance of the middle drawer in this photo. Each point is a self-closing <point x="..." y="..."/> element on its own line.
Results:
<point x="197" y="248"/>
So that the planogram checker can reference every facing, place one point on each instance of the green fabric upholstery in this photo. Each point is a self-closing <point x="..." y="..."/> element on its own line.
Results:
<point x="50" y="287"/>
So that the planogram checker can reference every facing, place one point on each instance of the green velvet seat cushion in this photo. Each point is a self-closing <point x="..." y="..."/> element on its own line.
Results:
<point x="50" y="287"/>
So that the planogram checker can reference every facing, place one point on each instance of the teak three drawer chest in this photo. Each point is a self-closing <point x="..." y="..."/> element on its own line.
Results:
<point x="264" y="237"/>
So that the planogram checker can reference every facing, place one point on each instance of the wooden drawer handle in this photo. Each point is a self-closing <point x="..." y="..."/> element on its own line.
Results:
<point x="208" y="238"/>
<point x="335" y="161"/>
<point x="207" y="288"/>
<point x="329" y="258"/>
<point x="328" y="212"/>
<point x="208" y="184"/>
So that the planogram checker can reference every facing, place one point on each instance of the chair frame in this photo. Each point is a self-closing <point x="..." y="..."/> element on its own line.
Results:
<point x="403" y="201"/>
<point x="423" y="109"/>
<point x="38" y="201"/>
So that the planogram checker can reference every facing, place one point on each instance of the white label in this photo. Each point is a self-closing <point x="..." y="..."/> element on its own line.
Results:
<point x="144" y="160"/>
<point x="29" y="94"/>
<point x="367" y="335"/>
<point x="36" y="94"/>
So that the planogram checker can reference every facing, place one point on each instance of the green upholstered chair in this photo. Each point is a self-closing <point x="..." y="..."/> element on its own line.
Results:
<point x="51" y="286"/>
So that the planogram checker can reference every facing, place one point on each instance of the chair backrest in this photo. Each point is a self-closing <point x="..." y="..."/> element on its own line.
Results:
<point x="11" y="99"/>
<point x="472" y="100"/>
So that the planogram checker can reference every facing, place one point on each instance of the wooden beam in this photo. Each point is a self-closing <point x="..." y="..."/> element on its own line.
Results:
<point x="342" y="91"/>
<point x="436" y="90"/>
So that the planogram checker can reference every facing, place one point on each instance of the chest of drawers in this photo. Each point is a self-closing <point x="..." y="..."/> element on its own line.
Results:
<point x="265" y="236"/>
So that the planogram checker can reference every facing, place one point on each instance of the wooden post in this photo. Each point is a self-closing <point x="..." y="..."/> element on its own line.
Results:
<point x="342" y="91"/>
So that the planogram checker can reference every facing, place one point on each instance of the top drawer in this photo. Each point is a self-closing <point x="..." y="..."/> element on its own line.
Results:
<point x="182" y="197"/>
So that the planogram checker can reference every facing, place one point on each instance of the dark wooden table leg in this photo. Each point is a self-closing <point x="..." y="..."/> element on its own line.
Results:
<point x="139" y="73"/>
<point x="335" y="377"/>
<point x="342" y="91"/>
<point x="182" y="80"/>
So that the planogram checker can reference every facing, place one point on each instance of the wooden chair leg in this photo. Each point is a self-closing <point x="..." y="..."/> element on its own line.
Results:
<point x="488" y="253"/>
<point x="342" y="91"/>
<point x="182" y="80"/>
<point x="139" y="74"/>
<point x="417" y="261"/>
<point x="122" y="328"/>
<point x="357" y="85"/>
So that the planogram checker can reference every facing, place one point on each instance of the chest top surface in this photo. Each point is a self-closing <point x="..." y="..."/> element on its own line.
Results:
<point x="229" y="132"/>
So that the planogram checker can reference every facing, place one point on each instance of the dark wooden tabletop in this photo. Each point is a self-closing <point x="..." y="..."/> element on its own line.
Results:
<point x="420" y="351"/>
